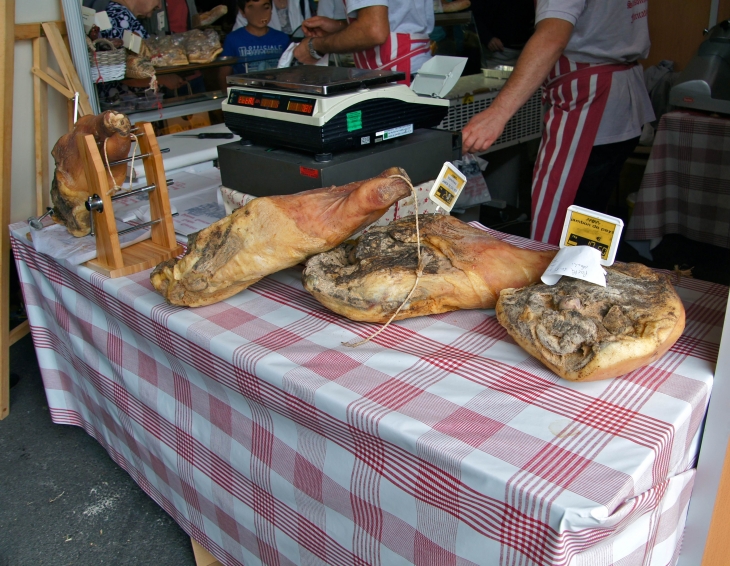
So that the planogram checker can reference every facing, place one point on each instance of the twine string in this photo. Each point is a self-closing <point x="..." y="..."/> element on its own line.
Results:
<point x="423" y="260"/>
<point x="116" y="187"/>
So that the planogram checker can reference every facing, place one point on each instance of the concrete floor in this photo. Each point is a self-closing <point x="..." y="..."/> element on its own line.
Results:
<point x="63" y="501"/>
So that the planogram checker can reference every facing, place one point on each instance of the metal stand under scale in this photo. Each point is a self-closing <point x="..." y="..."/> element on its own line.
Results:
<point x="111" y="260"/>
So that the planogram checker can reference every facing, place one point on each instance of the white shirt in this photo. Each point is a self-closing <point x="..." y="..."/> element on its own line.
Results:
<point x="414" y="17"/>
<point x="610" y="31"/>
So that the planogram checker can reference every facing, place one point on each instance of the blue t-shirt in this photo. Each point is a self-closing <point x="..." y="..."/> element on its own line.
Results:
<point x="263" y="52"/>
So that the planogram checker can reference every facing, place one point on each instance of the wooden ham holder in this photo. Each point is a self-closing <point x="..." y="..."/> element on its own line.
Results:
<point x="111" y="259"/>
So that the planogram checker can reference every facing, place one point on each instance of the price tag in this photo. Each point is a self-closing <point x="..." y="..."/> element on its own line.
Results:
<point x="132" y="41"/>
<point x="448" y="186"/>
<point x="584" y="227"/>
<point x="102" y="20"/>
<point x="88" y="15"/>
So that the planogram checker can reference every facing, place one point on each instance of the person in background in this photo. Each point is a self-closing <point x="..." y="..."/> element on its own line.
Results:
<point x="382" y="34"/>
<point x="256" y="40"/>
<point x="123" y="16"/>
<point x="180" y="15"/>
<point x="504" y="28"/>
<point x="585" y="52"/>
<point x="286" y="15"/>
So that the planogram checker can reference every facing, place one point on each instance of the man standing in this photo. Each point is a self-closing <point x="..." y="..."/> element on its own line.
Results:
<point x="382" y="34"/>
<point x="585" y="53"/>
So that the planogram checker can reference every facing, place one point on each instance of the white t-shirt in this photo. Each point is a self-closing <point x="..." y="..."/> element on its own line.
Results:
<point x="404" y="16"/>
<point x="610" y="31"/>
<point x="334" y="9"/>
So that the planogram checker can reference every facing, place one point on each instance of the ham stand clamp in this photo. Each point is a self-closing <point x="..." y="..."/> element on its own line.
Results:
<point x="111" y="259"/>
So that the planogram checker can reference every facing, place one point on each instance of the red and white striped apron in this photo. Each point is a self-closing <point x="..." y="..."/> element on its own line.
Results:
<point x="395" y="54"/>
<point x="577" y="95"/>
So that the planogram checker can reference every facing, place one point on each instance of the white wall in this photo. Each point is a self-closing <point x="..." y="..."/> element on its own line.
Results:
<point x="24" y="169"/>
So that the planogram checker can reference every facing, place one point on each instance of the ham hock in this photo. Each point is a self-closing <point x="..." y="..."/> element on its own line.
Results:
<point x="69" y="188"/>
<point x="273" y="233"/>
<point x="467" y="268"/>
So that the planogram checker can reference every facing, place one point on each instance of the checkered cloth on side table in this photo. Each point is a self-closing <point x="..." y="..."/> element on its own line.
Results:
<point x="440" y="442"/>
<point x="686" y="186"/>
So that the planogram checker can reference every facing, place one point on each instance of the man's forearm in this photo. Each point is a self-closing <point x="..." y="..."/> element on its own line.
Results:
<point x="538" y="57"/>
<point x="371" y="28"/>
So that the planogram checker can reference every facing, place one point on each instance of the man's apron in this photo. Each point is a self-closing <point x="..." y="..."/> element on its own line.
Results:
<point x="576" y="94"/>
<point x="395" y="54"/>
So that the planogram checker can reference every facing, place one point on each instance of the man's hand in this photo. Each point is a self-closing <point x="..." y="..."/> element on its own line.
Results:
<point x="319" y="26"/>
<point x="538" y="57"/>
<point x="301" y="53"/>
<point x="483" y="130"/>
<point x="495" y="44"/>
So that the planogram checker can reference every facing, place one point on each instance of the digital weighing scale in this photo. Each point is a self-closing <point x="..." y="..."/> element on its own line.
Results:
<point x="322" y="110"/>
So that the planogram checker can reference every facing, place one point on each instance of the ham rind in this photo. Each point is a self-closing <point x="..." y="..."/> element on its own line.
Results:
<point x="273" y="233"/>
<point x="466" y="269"/>
<point x="585" y="332"/>
<point x="69" y="189"/>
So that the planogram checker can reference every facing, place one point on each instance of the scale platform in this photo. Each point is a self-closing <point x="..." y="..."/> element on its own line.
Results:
<point x="323" y="110"/>
<point x="264" y="171"/>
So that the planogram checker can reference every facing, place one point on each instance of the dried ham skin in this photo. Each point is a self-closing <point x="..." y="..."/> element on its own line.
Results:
<point x="69" y="188"/>
<point x="585" y="332"/>
<point x="466" y="269"/>
<point x="272" y="233"/>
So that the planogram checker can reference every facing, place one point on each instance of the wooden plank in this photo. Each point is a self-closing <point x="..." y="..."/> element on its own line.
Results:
<point x="675" y="29"/>
<point x="35" y="30"/>
<point x="60" y="51"/>
<point x="7" y="68"/>
<point x="108" y="252"/>
<point x="202" y="556"/>
<point x="717" y="547"/>
<point x="137" y="257"/>
<point x="20" y="331"/>
<point x="163" y="233"/>
<point x="53" y="81"/>
<point x="40" y="126"/>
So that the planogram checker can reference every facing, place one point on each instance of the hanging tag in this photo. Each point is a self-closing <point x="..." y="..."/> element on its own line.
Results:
<point x="448" y="186"/>
<point x="132" y="41"/>
<point x="88" y="16"/>
<point x="102" y="20"/>
<point x="589" y="240"/>
<point x="585" y="227"/>
<point x="580" y="262"/>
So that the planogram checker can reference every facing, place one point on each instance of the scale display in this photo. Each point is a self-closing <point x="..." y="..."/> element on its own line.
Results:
<point x="269" y="101"/>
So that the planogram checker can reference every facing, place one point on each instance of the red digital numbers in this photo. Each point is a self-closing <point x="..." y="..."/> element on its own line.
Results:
<point x="269" y="103"/>
<point x="246" y="100"/>
<point x="301" y="107"/>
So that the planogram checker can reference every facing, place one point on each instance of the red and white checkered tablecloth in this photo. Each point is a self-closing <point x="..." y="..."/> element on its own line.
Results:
<point x="686" y="186"/>
<point x="440" y="442"/>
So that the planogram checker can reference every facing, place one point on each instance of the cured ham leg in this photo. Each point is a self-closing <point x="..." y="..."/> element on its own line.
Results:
<point x="69" y="189"/>
<point x="270" y="234"/>
<point x="466" y="269"/>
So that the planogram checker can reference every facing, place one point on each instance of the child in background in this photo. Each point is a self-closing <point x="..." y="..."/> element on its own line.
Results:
<point x="256" y="41"/>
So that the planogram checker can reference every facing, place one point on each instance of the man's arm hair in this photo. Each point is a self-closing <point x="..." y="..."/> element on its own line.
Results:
<point x="538" y="58"/>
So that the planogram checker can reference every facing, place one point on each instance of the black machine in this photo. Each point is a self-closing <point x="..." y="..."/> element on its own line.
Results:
<point x="321" y="110"/>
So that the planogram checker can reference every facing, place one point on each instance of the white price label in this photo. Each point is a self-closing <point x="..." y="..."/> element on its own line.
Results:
<point x="448" y="186"/>
<point x="585" y="227"/>
<point x="88" y="16"/>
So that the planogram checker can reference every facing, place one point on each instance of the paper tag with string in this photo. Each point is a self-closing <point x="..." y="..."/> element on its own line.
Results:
<point x="448" y="186"/>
